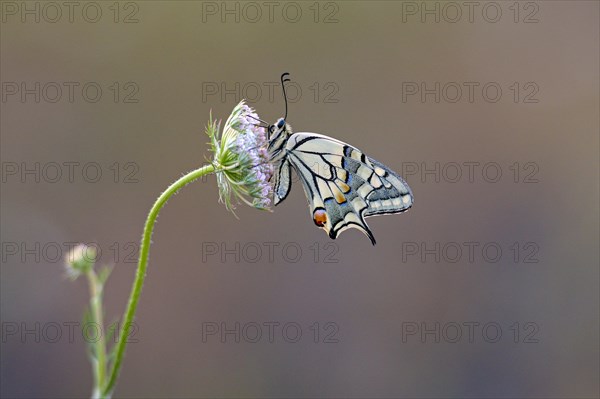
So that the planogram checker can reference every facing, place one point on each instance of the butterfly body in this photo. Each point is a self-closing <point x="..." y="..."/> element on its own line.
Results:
<point x="343" y="185"/>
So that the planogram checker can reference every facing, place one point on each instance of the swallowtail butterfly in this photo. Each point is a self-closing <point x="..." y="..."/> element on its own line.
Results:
<point x="343" y="185"/>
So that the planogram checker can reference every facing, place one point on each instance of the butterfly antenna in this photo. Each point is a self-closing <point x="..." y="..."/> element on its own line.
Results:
<point x="257" y="119"/>
<point x="284" y="78"/>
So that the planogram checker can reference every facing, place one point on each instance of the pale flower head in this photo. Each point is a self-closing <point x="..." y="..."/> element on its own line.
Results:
<point x="241" y="159"/>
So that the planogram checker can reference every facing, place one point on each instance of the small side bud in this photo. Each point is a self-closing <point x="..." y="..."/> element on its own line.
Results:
<point x="80" y="260"/>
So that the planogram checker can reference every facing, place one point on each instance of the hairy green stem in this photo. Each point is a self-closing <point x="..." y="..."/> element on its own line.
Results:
<point x="136" y="290"/>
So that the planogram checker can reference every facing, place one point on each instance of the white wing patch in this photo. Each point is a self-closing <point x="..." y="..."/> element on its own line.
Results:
<point x="342" y="185"/>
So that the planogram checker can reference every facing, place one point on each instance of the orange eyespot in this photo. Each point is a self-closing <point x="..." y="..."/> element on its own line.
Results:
<point x="320" y="217"/>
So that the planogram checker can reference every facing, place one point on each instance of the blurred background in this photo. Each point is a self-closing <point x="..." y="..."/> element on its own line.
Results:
<point x="488" y="287"/>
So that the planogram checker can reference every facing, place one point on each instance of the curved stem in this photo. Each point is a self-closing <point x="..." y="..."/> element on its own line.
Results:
<point x="136" y="290"/>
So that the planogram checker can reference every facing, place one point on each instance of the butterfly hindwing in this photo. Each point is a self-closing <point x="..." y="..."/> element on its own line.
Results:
<point x="342" y="185"/>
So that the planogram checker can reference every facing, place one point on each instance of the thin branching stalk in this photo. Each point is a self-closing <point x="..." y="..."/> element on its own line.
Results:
<point x="99" y="357"/>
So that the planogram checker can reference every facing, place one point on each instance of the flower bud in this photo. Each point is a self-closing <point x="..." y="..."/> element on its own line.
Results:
<point x="79" y="260"/>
